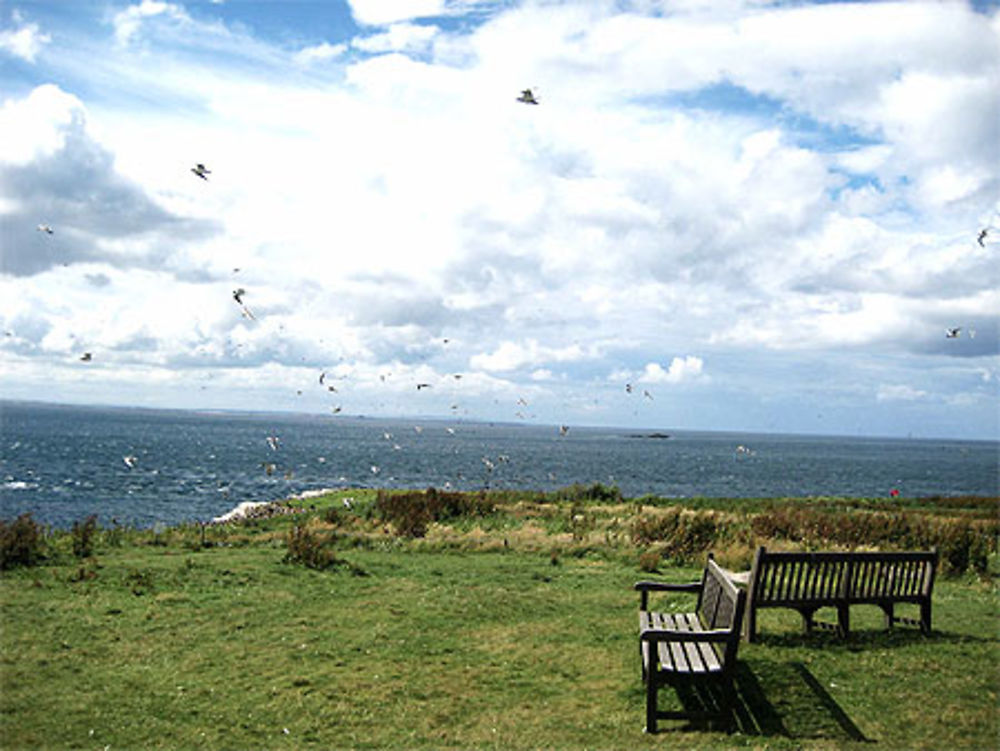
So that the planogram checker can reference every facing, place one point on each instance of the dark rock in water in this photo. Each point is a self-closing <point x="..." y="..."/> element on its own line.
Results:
<point x="649" y="435"/>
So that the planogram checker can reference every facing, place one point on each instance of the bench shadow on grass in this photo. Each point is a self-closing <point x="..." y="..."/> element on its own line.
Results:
<point x="773" y="699"/>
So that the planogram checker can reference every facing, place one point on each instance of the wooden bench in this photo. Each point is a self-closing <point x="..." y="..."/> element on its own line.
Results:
<point x="808" y="581"/>
<point x="695" y="648"/>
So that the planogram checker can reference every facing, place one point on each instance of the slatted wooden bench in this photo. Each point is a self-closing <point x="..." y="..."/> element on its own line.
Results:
<point x="690" y="648"/>
<point x="807" y="582"/>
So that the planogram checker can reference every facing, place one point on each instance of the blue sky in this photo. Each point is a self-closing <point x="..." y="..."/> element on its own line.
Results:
<point x="759" y="216"/>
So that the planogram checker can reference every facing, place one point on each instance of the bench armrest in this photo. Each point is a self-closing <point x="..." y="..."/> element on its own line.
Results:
<point x="666" y="587"/>
<point x="715" y="635"/>
<point x="644" y="588"/>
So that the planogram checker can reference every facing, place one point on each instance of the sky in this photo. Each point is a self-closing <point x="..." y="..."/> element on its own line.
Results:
<point x="729" y="215"/>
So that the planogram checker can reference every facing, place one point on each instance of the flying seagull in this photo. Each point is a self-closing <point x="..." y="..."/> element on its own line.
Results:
<point x="86" y="357"/>
<point x="238" y="297"/>
<point x="982" y="237"/>
<point x="527" y="97"/>
<point x="130" y="461"/>
<point x="423" y="386"/>
<point x="952" y="333"/>
<point x="48" y="230"/>
<point x="201" y="171"/>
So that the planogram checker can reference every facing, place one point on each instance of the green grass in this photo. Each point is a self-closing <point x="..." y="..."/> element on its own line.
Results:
<point x="452" y="641"/>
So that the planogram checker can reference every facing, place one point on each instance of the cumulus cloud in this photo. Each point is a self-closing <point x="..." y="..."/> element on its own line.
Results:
<point x="748" y="181"/>
<point x="681" y="369"/>
<point x="513" y="355"/>
<point x="57" y="174"/>
<point x="25" y="40"/>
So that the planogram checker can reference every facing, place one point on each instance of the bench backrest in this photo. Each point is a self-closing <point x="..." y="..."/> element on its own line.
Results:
<point x="831" y="578"/>
<point x="720" y="606"/>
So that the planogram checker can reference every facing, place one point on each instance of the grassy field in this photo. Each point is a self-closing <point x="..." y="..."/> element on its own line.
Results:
<point x="506" y="628"/>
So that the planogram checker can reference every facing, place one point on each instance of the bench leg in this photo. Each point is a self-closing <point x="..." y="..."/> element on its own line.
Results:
<point x="651" y="688"/>
<point x="844" y="619"/>
<point x="890" y="615"/>
<point x="925" y="616"/>
<point x="750" y="625"/>
<point x="807" y="619"/>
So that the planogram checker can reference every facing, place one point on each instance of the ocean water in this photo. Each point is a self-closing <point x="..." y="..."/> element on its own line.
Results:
<point x="141" y="467"/>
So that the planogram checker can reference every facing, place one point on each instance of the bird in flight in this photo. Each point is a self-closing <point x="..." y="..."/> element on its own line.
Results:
<point x="982" y="238"/>
<point x="48" y="230"/>
<point x="201" y="171"/>
<point x="527" y="97"/>
<point x="953" y="332"/>
<point x="238" y="297"/>
<point x="423" y="386"/>
<point x="86" y="357"/>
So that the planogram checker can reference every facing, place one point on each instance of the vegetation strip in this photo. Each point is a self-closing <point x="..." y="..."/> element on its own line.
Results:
<point x="434" y="620"/>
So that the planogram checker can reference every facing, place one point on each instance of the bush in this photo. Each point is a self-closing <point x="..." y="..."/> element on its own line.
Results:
<point x="648" y="529"/>
<point x="649" y="562"/>
<point x="83" y="537"/>
<point x="686" y="536"/>
<point x="309" y="549"/>
<point x="597" y="492"/>
<point x="411" y="512"/>
<point x="22" y="542"/>
<point x="962" y="543"/>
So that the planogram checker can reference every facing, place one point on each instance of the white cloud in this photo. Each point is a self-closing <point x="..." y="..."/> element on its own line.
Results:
<point x="681" y="369"/>
<point x="320" y="53"/>
<point x="513" y="355"/>
<point x="25" y="41"/>
<point x="899" y="392"/>
<point x="399" y="37"/>
<point x="128" y="23"/>
<point x="384" y="12"/>
<point x="36" y="125"/>
<point x="378" y="204"/>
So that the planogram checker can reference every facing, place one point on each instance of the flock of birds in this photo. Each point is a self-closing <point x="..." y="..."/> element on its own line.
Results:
<point x="527" y="97"/>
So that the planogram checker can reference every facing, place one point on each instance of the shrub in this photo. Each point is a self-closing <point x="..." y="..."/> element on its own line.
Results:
<point x="22" y="542"/>
<point x="411" y="512"/>
<point x="962" y="543"/>
<point x="597" y="492"/>
<point x="685" y="535"/>
<point x="647" y="529"/>
<point x="83" y="537"/>
<point x="694" y="536"/>
<point x="649" y="561"/>
<point x="309" y="549"/>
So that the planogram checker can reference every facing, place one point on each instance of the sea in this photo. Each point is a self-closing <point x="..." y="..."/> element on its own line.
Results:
<point x="143" y="467"/>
